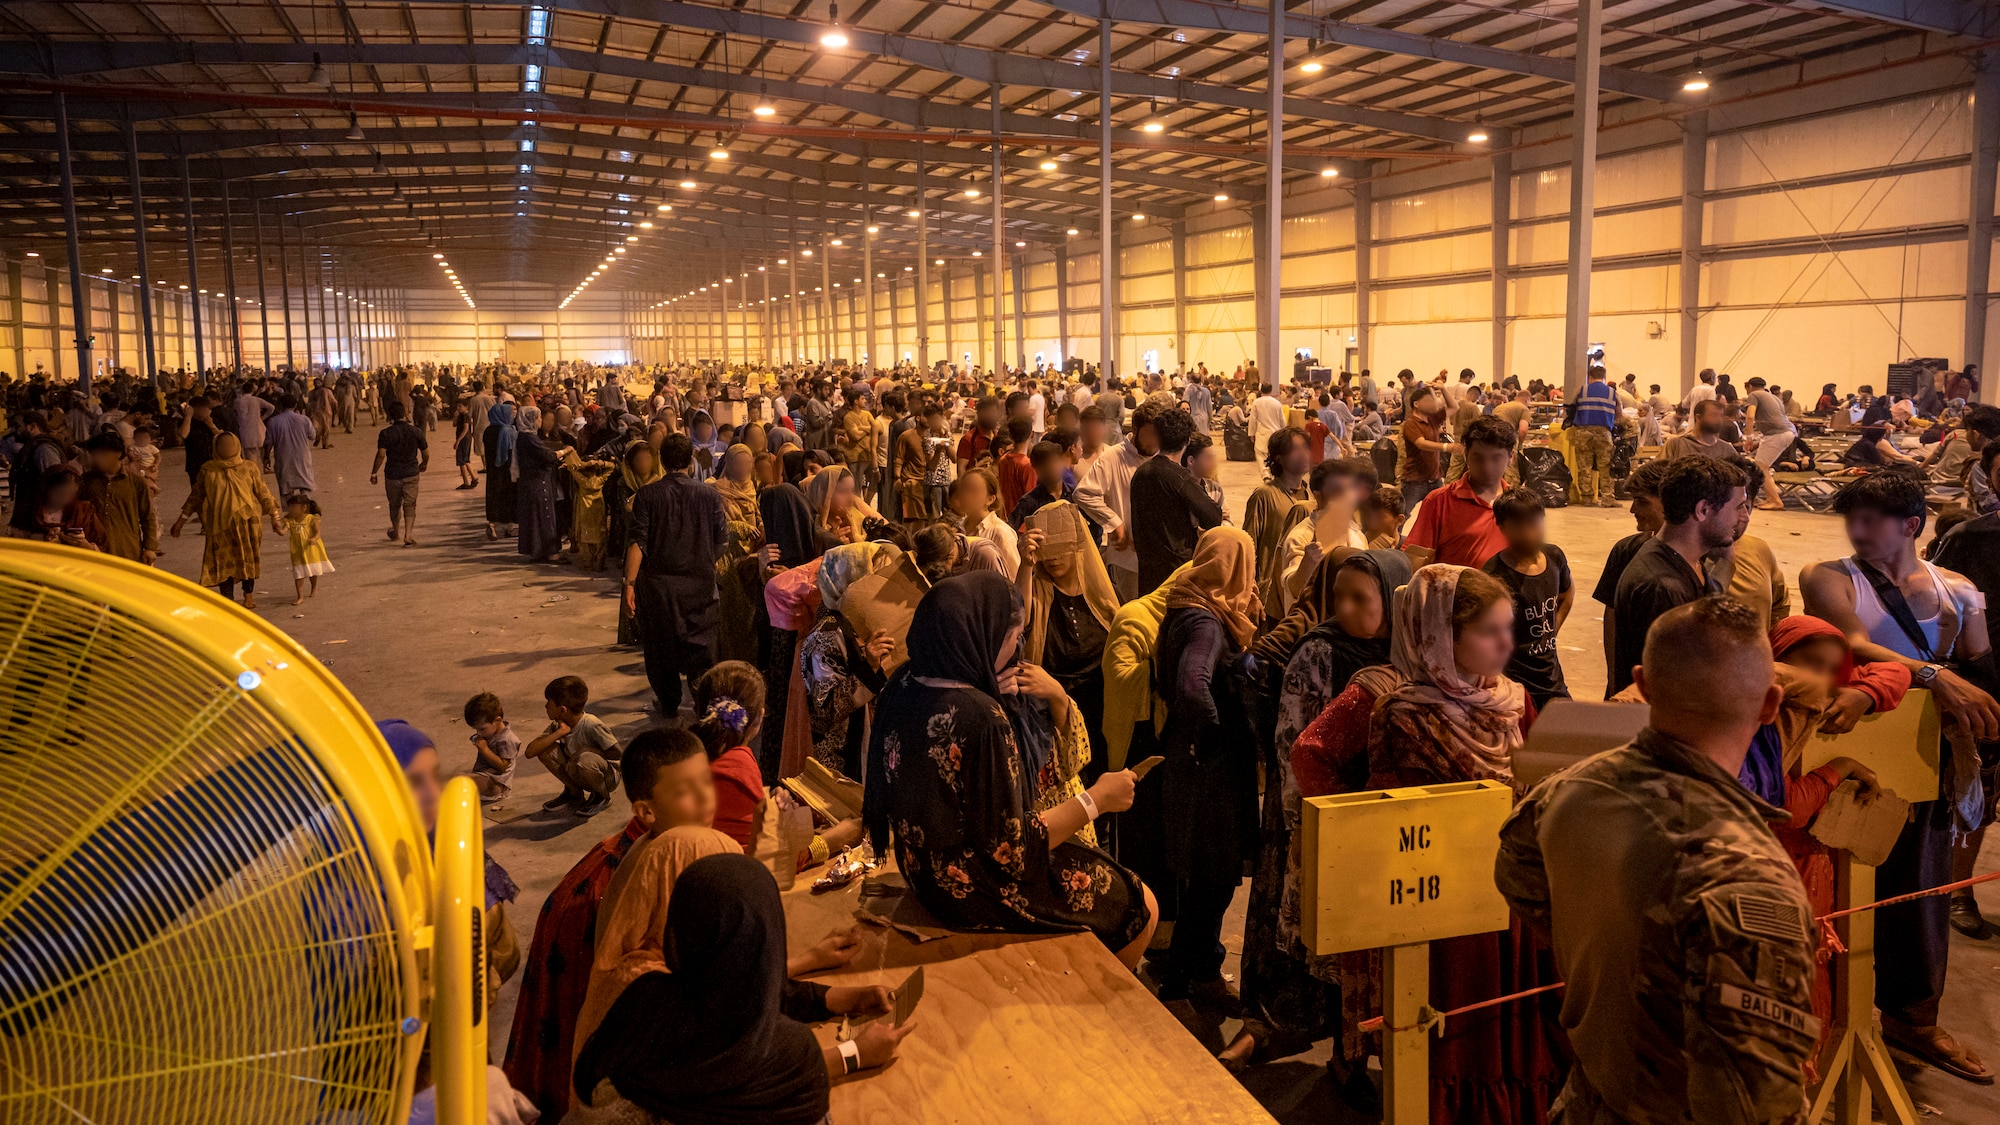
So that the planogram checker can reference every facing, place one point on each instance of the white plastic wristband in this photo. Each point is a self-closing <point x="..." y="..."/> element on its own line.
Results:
<point x="850" y="1056"/>
<point x="1089" y="805"/>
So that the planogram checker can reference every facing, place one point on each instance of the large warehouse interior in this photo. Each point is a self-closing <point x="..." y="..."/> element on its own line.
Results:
<point x="806" y="562"/>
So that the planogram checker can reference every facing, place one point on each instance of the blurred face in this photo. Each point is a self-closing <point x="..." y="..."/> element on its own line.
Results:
<point x="1708" y="418"/>
<point x="1059" y="566"/>
<point x="1357" y="603"/>
<point x="1334" y="491"/>
<point x="1821" y="655"/>
<point x="61" y="495"/>
<point x="1093" y="432"/>
<point x="989" y="417"/>
<point x="1877" y="535"/>
<point x="1525" y="536"/>
<point x="842" y="496"/>
<point x="104" y="460"/>
<point x="1008" y="645"/>
<point x="1298" y="459"/>
<point x="737" y="467"/>
<point x="1147" y="441"/>
<point x="970" y="499"/>
<point x="1646" y="514"/>
<point x="425" y="785"/>
<point x="645" y="462"/>
<point x="1486" y="464"/>
<point x="1205" y="463"/>
<point x="1719" y="525"/>
<point x="1486" y="641"/>
<point x="683" y="796"/>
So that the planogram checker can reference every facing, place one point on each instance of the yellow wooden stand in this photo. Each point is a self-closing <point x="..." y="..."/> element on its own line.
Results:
<point x="1396" y="869"/>
<point x="1902" y="747"/>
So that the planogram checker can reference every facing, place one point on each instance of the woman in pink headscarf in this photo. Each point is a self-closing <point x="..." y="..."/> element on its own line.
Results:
<point x="1455" y="716"/>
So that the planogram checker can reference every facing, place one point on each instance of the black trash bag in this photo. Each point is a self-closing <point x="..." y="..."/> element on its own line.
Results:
<point x="1624" y="447"/>
<point x="1236" y="443"/>
<point x="1384" y="452"/>
<point x="1545" y="475"/>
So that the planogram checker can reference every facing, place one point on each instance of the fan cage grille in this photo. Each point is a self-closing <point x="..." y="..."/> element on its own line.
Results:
<point x="191" y="925"/>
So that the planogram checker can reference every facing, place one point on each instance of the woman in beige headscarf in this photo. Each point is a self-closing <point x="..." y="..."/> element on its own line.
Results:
<point x="1069" y="605"/>
<point x="737" y="581"/>
<point x="836" y="503"/>
<point x="632" y="919"/>
<point x="230" y="494"/>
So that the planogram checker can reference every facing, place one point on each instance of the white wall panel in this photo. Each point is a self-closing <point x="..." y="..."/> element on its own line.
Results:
<point x="1446" y="254"/>
<point x="1231" y="244"/>
<point x="1155" y="255"/>
<point x="1326" y="230"/>
<point x="1914" y="129"/>
<point x="1465" y="205"/>
<point x="1913" y="199"/>
<point x="1305" y="271"/>
<point x="1429" y="348"/>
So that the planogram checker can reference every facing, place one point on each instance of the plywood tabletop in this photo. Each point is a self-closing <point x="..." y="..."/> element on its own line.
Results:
<point x="1019" y="1029"/>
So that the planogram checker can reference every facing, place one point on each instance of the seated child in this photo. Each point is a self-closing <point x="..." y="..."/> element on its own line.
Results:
<point x="495" y="744"/>
<point x="576" y="747"/>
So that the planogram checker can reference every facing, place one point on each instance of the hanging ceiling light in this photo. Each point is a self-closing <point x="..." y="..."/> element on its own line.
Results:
<point x="1311" y="65"/>
<point x="318" y="77"/>
<point x="354" y="128"/>
<point x="1698" y="81"/>
<point x="1221" y="197"/>
<point x="687" y="185"/>
<point x="833" y="37"/>
<point x="763" y="108"/>
<point x="1478" y="134"/>
<point x="1329" y="171"/>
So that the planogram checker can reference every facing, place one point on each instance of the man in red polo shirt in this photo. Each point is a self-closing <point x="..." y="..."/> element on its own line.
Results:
<point x="1456" y="522"/>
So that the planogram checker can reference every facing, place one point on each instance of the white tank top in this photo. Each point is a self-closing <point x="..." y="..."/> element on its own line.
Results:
<point x="1882" y="628"/>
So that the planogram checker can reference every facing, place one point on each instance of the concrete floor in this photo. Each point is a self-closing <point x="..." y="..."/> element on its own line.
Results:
<point x="414" y="632"/>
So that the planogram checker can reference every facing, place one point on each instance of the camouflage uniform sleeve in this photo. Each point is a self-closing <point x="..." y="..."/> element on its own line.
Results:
<point x="1747" y="998"/>
<point x="1518" y="869"/>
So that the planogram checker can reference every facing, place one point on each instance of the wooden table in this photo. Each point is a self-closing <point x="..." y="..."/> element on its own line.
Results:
<point x="1016" y="1029"/>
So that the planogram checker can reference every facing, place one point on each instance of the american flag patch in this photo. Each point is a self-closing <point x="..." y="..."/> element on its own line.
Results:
<point x="1770" y="917"/>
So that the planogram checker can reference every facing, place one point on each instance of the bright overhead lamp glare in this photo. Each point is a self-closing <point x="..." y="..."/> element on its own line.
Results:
<point x="1048" y="165"/>
<point x="1478" y="135"/>
<point x="1220" y="197"/>
<point x="1696" y="82"/>
<point x="687" y="185"/>
<point x="439" y="257"/>
<point x="1072" y="231"/>
<point x="872" y="230"/>
<point x="647" y="225"/>
<point x="664" y="208"/>
<point x="719" y="154"/>
<point x="805" y="253"/>
<point x="937" y="262"/>
<point x="1020" y="244"/>
<point x="764" y="110"/>
<point x="975" y="253"/>
<point x="836" y="242"/>
<point x="1312" y="68"/>
<point x="1329" y="172"/>
<point x="1138" y="218"/>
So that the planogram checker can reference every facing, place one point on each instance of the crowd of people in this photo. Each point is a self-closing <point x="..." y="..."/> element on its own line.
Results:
<point x="1382" y="611"/>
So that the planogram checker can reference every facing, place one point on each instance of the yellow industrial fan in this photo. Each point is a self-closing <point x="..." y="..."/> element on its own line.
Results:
<point x="217" y="903"/>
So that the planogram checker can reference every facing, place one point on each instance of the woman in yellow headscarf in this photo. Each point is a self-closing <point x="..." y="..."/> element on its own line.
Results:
<point x="230" y="494"/>
<point x="1070" y="607"/>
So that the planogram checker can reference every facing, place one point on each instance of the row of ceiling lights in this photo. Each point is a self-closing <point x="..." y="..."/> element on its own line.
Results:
<point x="452" y="276"/>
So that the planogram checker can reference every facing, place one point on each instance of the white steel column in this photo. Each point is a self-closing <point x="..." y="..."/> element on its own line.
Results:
<point x="1107" y="286"/>
<point x="1503" y="219"/>
<point x="999" y="263"/>
<point x="1694" y="185"/>
<point x="1979" y="226"/>
<point x="1274" y="203"/>
<point x="1582" y="190"/>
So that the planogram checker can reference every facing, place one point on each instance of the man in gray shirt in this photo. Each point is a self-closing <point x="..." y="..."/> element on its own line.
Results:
<point x="1771" y="434"/>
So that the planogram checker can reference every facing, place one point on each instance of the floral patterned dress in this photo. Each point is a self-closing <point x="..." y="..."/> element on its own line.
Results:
<point x="960" y="809"/>
<point x="835" y="671"/>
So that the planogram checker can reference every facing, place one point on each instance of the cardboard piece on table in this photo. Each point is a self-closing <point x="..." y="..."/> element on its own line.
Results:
<point x="886" y="901"/>
<point x="1058" y="532"/>
<point x="1145" y="767"/>
<point x="1868" y="831"/>
<point x="1570" y="730"/>
<point x="886" y="601"/>
<point x="1420" y="557"/>
<point x="833" y="797"/>
<point x="908" y="993"/>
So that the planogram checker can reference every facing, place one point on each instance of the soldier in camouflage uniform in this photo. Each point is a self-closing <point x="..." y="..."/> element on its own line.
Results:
<point x="1678" y="921"/>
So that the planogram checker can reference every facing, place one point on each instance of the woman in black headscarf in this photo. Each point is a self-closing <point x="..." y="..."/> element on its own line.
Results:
<point x="947" y="778"/>
<point x="719" y="1039"/>
<point x="789" y="543"/>
<point x="1285" y="1008"/>
<point x="539" y="534"/>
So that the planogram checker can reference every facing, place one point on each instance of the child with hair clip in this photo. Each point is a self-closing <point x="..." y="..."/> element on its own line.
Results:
<point x="309" y="559"/>
<point x="729" y="710"/>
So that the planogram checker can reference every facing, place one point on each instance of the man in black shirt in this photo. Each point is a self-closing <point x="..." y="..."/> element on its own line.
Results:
<point x="1644" y="485"/>
<point x="678" y="531"/>
<point x="1701" y="500"/>
<point x="1170" y="509"/>
<point x="401" y="456"/>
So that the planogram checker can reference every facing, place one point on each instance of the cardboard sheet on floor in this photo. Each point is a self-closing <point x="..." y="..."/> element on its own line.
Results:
<point x="1020" y="1029"/>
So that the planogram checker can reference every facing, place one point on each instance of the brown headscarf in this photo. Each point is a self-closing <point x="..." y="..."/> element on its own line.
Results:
<point x="1222" y="578"/>
<point x="739" y="500"/>
<point x="1474" y="724"/>
<point x="1314" y="603"/>
<point x="632" y="919"/>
